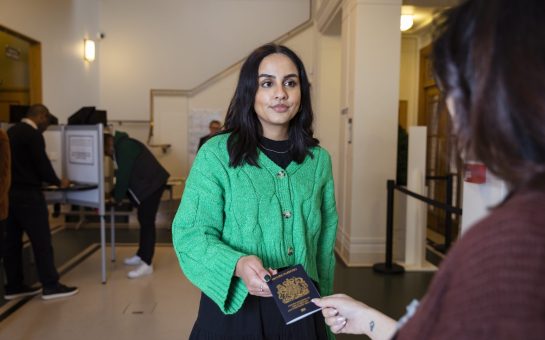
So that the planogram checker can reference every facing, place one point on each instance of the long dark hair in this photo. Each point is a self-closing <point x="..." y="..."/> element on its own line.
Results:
<point x="489" y="59"/>
<point x="241" y="119"/>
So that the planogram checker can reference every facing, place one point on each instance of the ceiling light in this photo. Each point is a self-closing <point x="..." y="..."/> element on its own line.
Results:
<point x="406" y="22"/>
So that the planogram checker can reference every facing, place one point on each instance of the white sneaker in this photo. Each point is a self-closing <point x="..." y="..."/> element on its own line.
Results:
<point x="133" y="261"/>
<point x="142" y="270"/>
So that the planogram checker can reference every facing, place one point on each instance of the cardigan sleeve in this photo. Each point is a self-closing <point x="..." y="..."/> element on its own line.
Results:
<point x="328" y="233"/>
<point x="206" y="260"/>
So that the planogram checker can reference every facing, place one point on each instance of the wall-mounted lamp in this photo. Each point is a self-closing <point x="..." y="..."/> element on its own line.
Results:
<point x="406" y="22"/>
<point x="88" y="50"/>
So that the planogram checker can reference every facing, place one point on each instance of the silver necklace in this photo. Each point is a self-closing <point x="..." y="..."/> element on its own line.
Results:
<point x="271" y="150"/>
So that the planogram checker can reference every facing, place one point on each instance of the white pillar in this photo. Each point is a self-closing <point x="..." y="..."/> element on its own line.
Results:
<point x="371" y="43"/>
<point x="415" y="244"/>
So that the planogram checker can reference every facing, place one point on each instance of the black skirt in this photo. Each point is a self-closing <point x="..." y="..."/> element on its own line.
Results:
<point x="258" y="319"/>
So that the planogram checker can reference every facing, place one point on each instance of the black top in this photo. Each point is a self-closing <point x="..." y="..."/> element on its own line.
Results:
<point x="30" y="166"/>
<point x="278" y="151"/>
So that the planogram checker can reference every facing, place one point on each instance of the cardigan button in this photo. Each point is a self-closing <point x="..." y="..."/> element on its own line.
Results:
<point x="286" y="214"/>
<point x="290" y="251"/>
<point x="281" y="174"/>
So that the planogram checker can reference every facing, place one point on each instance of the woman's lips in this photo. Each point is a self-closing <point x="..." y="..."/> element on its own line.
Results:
<point x="280" y="108"/>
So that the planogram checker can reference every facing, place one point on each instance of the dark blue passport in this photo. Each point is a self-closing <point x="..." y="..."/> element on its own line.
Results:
<point x="292" y="290"/>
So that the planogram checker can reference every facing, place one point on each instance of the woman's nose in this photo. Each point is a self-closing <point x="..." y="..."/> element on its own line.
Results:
<point x="280" y="93"/>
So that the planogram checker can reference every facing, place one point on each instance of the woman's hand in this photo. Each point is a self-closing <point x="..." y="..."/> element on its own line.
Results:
<point x="250" y="270"/>
<point x="345" y="315"/>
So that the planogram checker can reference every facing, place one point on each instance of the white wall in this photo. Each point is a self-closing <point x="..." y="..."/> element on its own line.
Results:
<point x="371" y="59"/>
<point x="327" y="96"/>
<point x="162" y="44"/>
<point x="173" y="44"/>
<point x="60" y="26"/>
<point x="148" y="45"/>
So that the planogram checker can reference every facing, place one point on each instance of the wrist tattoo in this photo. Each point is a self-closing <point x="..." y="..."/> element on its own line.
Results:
<point x="371" y="325"/>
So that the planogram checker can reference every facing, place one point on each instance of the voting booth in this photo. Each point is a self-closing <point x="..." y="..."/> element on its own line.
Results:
<point x="77" y="153"/>
<point x="83" y="161"/>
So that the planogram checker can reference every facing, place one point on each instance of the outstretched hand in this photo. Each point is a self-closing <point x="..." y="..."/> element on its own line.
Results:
<point x="250" y="269"/>
<point x="343" y="314"/>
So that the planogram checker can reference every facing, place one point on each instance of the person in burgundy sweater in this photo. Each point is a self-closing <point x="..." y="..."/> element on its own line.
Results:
<point x="489" y="60"/>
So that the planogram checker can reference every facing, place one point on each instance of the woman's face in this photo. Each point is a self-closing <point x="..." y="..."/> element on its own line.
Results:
<point x="278" y="95"/>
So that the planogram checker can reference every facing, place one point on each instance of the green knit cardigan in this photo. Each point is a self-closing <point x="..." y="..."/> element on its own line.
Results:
<point x="284" y="217"/>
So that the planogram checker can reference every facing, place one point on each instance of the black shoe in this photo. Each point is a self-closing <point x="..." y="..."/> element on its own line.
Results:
<point x="58" y="292"/>
<point x="22" y="291"/>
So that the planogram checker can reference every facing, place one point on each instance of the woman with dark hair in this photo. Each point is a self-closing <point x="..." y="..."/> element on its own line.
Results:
<point x="489" y="60"/>
<point x="259" y="198"/>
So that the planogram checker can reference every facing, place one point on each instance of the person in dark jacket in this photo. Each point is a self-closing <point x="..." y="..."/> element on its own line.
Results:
<point x="214" y="127"/>
<point x="30" y="168"/>
<point x="5" y="183"/>
<point x="141" y="178"/>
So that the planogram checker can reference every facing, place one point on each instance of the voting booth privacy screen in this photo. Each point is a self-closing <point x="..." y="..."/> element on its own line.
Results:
<point x="84" y="156"/>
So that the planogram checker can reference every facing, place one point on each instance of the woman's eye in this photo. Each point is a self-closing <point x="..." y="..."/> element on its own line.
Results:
<point x="266" y="84"/>
<point x="290" y="83"/>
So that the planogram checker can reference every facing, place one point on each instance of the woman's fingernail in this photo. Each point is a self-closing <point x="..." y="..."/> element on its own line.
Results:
<point x="267" y="278"/>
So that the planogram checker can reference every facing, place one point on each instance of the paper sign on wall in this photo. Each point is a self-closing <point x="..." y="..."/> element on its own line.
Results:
<point x="80" y="150"/>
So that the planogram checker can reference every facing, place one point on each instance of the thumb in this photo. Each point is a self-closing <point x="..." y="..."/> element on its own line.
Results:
<point x="318" y="302"/>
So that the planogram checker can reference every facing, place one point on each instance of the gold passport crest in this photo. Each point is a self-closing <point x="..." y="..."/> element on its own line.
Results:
<point x="291" y="289"/>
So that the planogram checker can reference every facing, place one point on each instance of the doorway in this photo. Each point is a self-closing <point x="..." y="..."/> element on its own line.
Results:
<point x="20" y="71"/>
<point x="443" y="165"/>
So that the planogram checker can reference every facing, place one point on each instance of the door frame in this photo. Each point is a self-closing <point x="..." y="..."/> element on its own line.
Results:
<point x="34" y="64"/>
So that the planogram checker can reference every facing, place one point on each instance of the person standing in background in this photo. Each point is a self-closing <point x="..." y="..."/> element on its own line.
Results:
<point x="30" y="168"/>
<point x="5" y="183"/>
<point x="141" y="178"/>
<point x="214" y="127"/>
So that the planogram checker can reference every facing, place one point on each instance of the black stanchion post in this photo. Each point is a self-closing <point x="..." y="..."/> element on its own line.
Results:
<point x="389" y="267"/>
<point x="448" y="214"/>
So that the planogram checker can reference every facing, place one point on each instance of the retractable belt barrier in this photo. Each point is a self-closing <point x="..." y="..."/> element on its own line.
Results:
<point x="389" y="267"/>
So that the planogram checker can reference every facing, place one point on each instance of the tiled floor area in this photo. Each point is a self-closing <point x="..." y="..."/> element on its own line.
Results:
<point x="161" y="306"/>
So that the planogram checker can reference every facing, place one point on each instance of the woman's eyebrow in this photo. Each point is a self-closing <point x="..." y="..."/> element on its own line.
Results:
<point x="264" y="75"/>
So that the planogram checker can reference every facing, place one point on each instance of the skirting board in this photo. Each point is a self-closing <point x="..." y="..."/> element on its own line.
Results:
<point x="365" y="252"/>
<point x="360" y="252"/>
